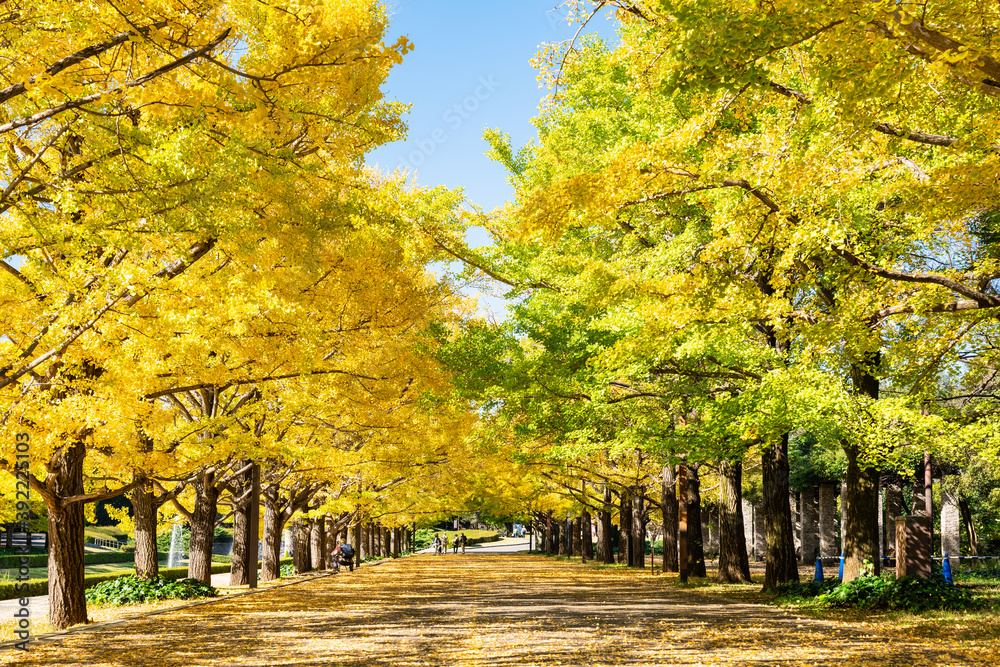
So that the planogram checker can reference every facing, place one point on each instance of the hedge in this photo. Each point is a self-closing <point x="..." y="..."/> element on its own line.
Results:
<point x="41" y="586"/>
<point x="42" y="560"/>
<point x="483" y="540"/>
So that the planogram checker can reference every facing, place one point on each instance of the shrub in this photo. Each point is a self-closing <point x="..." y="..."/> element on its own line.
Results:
<point x="287" y="570"/>
<point x="132" y="590"/>
<point x="423" y="538"/>
<point x="883" y="592"/>
<point x="8" y="590"/>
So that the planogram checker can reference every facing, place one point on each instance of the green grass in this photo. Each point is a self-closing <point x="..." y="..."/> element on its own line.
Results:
<point x="105" y="533"/>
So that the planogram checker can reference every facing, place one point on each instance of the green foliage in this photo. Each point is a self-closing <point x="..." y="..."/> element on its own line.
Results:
<point x="883" y="592"/>
<point x="287" y="570"/>
<point x="133" y="590"/>
<point x="423" y="538"/>
<point x="163" y="540"/>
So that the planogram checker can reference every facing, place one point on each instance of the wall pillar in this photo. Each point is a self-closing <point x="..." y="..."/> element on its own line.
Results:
<point x="828" y="520"/>
<point x="809" y="526"/>
<point x="951" y="523"/>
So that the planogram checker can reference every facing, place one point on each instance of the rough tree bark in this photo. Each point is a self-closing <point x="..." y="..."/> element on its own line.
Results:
<point x="605" y="546"/>
<point x="238" y="574"/>
<point x="147" y="564"/>
<point x="206" y="507"/>
<point x="696" y="549"/>
<point x="734" y="565"/>
<point x="578" y="536"/>
<point x="625" y="528"/>
<point x="668" y="506"/>
<point x="970" y="528"/>
<point x="301" y="560"/>
<point x="638" y="537"/>
<point x="67" y="605"/>
<point x="781" y="565"/>
<point x="861" y="535"/>
<point x="317" y="543"/>
<point x="274" y="524"/>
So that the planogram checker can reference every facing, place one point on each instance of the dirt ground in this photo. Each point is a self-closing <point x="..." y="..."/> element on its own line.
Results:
<point x="499" y="610"/>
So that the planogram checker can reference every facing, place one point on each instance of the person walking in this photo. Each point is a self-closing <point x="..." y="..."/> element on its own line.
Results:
<point x="464" y="541"/>
<point x="454" y="545"/>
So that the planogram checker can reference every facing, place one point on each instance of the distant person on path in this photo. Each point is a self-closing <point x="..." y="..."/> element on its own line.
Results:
<point x="335" y="557"/>
<point x="345" y="555"/>
<point x="464" y="541"/>
<point x="437" y="545"/>
<point x="454" y="545"/>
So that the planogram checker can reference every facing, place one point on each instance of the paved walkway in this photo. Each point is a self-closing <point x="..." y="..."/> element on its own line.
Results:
<point x="493" y="609"/>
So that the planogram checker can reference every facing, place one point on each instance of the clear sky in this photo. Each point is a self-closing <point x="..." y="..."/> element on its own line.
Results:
<point x="470" y="70"/>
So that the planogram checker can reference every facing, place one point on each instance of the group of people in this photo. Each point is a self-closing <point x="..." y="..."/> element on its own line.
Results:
<point x="441" y="543"/>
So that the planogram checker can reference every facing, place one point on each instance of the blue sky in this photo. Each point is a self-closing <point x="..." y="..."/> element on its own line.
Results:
<point x="470" y="70"/>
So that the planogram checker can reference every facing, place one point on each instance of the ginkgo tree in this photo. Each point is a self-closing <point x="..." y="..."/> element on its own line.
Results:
<point x="138" y="138"/>
<point x="816" y="175"/>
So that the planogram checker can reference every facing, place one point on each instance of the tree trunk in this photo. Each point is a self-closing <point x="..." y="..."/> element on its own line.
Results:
<point x="734" y="565"/>
<point x="605" y="545"/>
<point x="861" y="534"/>
<point x="549" y="543"/>
<point x="274" y="523"/>
<point x="578" y="536"/>
<point x="352" y="537"/>
<point x="67" y="605"/>
<point x="625" y="528"/>
<point x="317" y="543"/>
<point x="561" y="534"/>
<point x="668" y="506"/>
<point x="206" y="507"/>
<point x="696" y="548"/>
<point x="638" y="531"/>
<point x="147" y="565"/>
<point x="970" y="527"/>
<point x="781" y="565"/>
<point x="587" y="536"/>
<point x="238" y="574"/>
<point x="301" y="560"/>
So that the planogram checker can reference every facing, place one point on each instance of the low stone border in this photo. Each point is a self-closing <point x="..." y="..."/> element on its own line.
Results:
<point x="93" y="627"/>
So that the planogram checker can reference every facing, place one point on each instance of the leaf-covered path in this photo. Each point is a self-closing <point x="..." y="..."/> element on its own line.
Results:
<point x="497" y="610"/>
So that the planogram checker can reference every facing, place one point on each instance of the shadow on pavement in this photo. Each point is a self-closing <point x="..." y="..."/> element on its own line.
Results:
<point x="500" y="610"/>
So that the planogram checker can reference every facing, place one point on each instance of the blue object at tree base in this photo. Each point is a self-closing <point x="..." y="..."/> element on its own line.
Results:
<point x="946" y="569"/>
<point x="819" y="570"/>
<point x="841" y="567"/>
